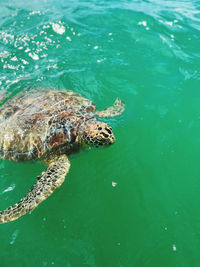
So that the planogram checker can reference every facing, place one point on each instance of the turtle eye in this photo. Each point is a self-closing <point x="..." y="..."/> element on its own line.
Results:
<point x="100" y="128"/>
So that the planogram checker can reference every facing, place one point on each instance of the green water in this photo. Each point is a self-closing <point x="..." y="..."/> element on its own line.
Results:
<point x="147" y="53"/>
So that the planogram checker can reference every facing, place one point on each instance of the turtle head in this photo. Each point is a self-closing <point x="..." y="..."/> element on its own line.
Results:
<point x="97" y="134"/>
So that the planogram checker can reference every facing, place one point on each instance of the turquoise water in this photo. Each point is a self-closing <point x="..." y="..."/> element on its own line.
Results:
<point x="137" y="202"/>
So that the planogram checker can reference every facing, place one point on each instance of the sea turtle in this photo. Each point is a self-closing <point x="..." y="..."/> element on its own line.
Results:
<point x="49" y="125"/>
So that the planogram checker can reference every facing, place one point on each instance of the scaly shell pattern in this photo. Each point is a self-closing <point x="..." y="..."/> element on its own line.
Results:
<point x="35" y="122"/>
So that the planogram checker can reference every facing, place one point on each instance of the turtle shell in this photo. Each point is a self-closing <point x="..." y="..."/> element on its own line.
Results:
<point x="34" y="122"/>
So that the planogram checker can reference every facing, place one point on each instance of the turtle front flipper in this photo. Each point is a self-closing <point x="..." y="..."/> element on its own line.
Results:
<point x="47" y="182"/>
<point x="115" y="110"/>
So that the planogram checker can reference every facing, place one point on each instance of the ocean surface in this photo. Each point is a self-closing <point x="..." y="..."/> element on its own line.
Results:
<point x="137" y="202"/>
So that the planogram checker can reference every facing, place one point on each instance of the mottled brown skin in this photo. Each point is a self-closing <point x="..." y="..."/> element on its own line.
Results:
<point x="49" y="125"/>
<point x="34" y="123"/>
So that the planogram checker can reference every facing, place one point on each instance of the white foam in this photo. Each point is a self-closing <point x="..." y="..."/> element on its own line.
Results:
<point x="33" y="56"/>
<point x="60" y="29"/>
<point x="144" y="23"/>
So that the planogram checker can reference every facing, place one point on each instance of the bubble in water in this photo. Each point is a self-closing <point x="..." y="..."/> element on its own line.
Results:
<point x="10" y="188"/>
<point x="174" y="247"/>
<point x="114" y="184"/>
<point x="14" y="236"/>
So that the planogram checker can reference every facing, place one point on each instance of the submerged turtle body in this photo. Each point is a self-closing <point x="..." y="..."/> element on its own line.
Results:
<point x="36" y="122"/>
<point x="49" y="125"/>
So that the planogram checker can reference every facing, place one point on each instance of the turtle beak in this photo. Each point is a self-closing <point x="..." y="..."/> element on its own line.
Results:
<point x="113" y="139"/>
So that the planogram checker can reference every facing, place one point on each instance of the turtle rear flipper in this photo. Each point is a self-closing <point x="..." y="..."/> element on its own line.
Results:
<point x="115" y="110"/>
<point x="47" y="182"/>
